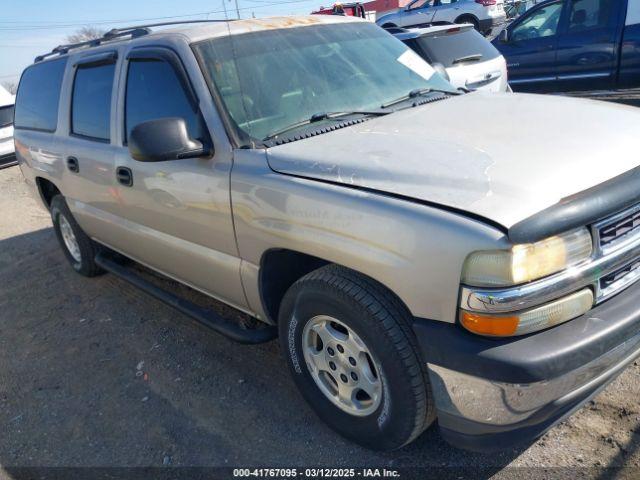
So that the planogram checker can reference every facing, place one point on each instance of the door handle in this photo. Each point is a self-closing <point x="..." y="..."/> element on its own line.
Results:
<point x="73" y="165"/>
<point x="124" y="176"/>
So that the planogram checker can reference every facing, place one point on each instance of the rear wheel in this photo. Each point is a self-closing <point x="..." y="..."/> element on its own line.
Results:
<point x="469" y="19"/>
<point x="79" y="249"/>
<point x="353" y="356"/>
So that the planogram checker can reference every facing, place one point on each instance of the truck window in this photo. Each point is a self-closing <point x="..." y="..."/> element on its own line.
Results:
<point x="542" y="23"/>
<point x="154" y="91"/>
<point x="91" y="104"/>
<point x="39" y="95"/>
<point x="590" y="14"/>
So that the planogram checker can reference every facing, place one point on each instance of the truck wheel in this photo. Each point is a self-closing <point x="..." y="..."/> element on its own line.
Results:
<point x="352" y="354"/>
<point x="79" y="249"/>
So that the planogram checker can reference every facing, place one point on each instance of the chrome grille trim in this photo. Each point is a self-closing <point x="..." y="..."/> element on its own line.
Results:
<point x="617" y="231"/>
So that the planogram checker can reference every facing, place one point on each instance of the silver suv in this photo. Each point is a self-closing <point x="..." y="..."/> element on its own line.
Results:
<point x="313" y="173"/>
<point x="485" y="15"/>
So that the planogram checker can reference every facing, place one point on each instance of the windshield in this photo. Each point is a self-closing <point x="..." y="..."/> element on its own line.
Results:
<point x="6" y="116"/>
<point x="269" y="80"/>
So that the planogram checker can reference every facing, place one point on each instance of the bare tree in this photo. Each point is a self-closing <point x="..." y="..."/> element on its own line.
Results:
<point x="11" y="87"/>
<point x="84" y="34"/>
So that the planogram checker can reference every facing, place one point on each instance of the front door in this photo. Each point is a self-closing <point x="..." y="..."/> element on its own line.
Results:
<point x="176" y="215"/>
<point x="588" y="45"/>
<point x="530" y="49"/>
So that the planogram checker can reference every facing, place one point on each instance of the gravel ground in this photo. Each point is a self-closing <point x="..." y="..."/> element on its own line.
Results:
<point x="95" y="373"/>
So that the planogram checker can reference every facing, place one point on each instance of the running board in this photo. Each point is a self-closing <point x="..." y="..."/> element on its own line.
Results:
<point x="206" y="317"/>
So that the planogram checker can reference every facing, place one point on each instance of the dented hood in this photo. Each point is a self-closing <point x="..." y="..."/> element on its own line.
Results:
<point x="504" y="157"/>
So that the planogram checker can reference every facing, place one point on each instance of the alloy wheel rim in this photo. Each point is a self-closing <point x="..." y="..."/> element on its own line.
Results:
<point x="342" y="365"/>
<point x="69" y="239"/>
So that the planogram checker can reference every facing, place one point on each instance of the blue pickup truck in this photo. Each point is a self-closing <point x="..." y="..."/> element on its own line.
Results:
<point x="574" y="45"/>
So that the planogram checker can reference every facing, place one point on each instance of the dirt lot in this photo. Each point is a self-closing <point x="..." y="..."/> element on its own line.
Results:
<point x="93" y="373"/>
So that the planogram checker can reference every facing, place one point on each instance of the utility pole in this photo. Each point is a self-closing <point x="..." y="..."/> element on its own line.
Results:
<point x="237" y="10"/>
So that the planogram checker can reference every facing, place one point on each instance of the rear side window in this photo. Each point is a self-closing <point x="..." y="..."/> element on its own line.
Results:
<point x="91" y="104"/>
<point x="154" y="91"/>
<point x="590" y="14"/>
<point x="454" y="48"/>
<point x="6" y="116"/>
<point x="39" y="96"/>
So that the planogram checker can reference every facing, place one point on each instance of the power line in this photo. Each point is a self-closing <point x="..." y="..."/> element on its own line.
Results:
<point x="53" y="26"/>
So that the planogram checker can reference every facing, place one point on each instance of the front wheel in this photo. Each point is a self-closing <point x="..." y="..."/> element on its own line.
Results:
<point x="352" y="354"/>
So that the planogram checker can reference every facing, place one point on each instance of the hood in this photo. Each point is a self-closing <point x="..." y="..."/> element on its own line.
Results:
<point x="504" y="157"/>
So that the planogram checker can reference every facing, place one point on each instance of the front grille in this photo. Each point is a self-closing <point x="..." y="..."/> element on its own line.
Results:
<point x="621" y="226"/>
<point x="625" y="272"/>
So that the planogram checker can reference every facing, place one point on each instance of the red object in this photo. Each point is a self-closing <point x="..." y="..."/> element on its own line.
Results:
<point x="486" y="3"/>
<point x="349" y="9"/>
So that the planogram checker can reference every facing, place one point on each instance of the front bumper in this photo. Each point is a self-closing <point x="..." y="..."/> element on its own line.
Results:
<point x="492" y="394"/>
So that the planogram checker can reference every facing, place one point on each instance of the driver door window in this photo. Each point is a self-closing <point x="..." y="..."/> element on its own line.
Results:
<point x="154" y="91"/>
<point x="540" y="24"/>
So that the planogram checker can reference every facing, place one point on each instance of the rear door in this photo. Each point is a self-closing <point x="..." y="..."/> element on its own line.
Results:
<point x="446" y="10"/>
<point x="86" y="140"/>
<point x="175" y="216"/>
<point x="531" y="48"/>
<point x="588" y="44"/>
<point x="418" y="12"/>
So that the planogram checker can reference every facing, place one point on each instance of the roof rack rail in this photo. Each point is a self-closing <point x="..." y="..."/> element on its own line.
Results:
<point x="133" y="32"/>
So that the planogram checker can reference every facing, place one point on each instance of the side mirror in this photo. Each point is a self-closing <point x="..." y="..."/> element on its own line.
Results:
<point x="504" y="36"/>
<point x="164" y="139"/>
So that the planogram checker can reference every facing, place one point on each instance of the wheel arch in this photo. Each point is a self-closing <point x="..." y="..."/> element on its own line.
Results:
<point x="470" y="16"/>
<point x="280" y="268"/>
<point x="47" y="190"/>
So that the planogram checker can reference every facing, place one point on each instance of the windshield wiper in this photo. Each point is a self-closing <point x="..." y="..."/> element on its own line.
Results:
<point x="417" y="92"/>
<point x="317" y="117"/>
<point x="468" y="58"/>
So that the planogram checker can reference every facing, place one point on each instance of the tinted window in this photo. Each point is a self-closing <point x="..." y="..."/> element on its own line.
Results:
<point x="155" y="91"/>
<point x="91" y="105"/>
<point x="6" y="116"/>
<point x="541" y="23"/>
<point x="39" y="95"/>
<point x="588" y="14"/>
<point x="455" y="48"/>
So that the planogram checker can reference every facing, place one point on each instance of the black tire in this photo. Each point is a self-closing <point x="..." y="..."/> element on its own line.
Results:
<point x="389" y="25"/>
<point x="87" y="248"/>
<point x="469" y="19"/>
<point x="383" y="323"/>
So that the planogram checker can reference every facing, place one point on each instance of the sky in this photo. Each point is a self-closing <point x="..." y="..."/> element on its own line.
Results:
<point x="31" y="27"/>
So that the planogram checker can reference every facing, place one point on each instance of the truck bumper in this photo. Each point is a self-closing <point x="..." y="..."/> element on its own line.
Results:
<point x="493" y="394"/>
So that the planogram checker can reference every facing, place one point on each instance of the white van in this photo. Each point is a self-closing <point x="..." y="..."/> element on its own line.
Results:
<point x="7" y="149"/>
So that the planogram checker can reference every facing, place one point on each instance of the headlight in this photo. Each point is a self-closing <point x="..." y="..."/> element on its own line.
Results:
<point x="527" y="262"/>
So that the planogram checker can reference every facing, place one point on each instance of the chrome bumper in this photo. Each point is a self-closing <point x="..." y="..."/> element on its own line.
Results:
<point x="494" y="393"/>
<point x="493" y="403"/>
